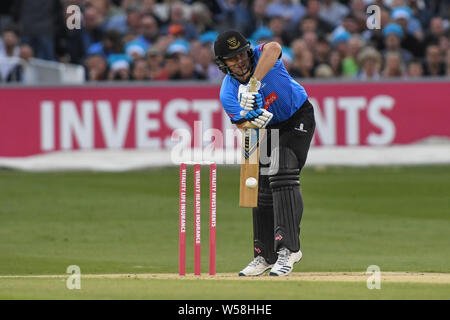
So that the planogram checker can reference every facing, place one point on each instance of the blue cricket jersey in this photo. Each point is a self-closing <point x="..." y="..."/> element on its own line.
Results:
<point x="281" y="94"/>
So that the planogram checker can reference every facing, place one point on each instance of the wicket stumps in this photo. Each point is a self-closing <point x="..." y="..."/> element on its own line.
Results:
<point x="197" y="218"/>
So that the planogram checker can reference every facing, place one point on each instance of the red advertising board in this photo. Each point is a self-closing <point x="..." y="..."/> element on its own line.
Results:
<point x="39" y="120"/>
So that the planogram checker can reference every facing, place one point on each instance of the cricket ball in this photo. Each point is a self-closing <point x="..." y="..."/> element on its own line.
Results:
<point x="251" y="183"/>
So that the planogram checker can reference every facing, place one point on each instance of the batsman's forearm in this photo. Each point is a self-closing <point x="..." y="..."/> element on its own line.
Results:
<point x="269" y="56"/>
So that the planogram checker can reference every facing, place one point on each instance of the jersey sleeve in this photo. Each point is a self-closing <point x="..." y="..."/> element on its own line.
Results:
<point x="230" y="103"/>
<point x="257" y="51"/>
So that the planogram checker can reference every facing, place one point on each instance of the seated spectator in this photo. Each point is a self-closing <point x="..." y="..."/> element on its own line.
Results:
<point x="335" y="62"/>
<point x="172" y="66"/>
<point x="155" y="63"/>
<point x="340" y="43"/>
<point x="436" y="31"/>
<point x="92" y="31"/>
<point x="257" y="17"/>
<point x="415" y="69"/>
<point x="369" y="61"/>
<point x="112" y="43"/>
<point x="187" y="69"/>
<point x="323" y="70"/>
<point x="135" y="50"/>
<point x="201" y="17"/>
<point x="206" y="66"/>
<point x="323" y="49"/>
<point x="313" y="11"/>
<point x="402" y="17"/>
<point x="291" y="11"/>
<point x="122" y="23"/>
<point x="310" y="40"/>
<point x="277" y="26"/>
<point x="433" y="64"/>
<point x="349" y="62"/>
<point x="393" y="65"/>
<point x="179" y="17"/>
<point x="303" y="65"/>
<point x="96" y="68"/>
<point x="119" y="68"/>
<point x="140" y="70"/>
<point x="333" y="12"/>
<point x="179" y="46"/>
<point x="148" y="30"/>
<point x="393" y="34"/>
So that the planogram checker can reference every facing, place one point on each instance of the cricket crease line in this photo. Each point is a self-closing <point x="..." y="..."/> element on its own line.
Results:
<point x="412" y="277"/>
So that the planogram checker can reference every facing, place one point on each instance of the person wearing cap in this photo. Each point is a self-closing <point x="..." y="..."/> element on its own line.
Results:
<point x="393" y="34"/>
<point x="281" y="106"/>
<point x="402" y="17"/>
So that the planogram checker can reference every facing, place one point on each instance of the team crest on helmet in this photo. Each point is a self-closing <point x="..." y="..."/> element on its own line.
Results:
<point x="233" y="43"/>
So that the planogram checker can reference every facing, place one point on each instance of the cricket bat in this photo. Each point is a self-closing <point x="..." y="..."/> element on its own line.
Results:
<point x="248" y="196"/>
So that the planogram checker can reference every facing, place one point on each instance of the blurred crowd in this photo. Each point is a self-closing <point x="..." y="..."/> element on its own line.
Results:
<point x="172" y="40"/>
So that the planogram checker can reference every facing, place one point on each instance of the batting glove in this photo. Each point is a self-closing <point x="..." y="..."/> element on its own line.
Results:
<point x="250" y="100"/>
<point x="259" y="117"/>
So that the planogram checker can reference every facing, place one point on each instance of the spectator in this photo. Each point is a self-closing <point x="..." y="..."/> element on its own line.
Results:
<point x="201" y="17"/>
<point x="140" y="70"/>
<point x="323" y="49"/>
<point x="433" y="64"/>
<point x="333" y="12"/>
<point x="178" y="17"/>
<point x="172" y="66"/>
<point x="80" y="40"/>
<point x="436" y="31"/>
<point x="415" y="68"/>
<point x="135" y="50"/>
<point x="310" y="40"/>
<point x="10" y="68"/>
<point x="155" y="64"/>
<point x="303" y="65"/>
<point x="349" y="63"/>
<point x="96" y="68"/>
<point x="149" y="30"/>
<point x="313" y="11"/>
<point x="130" y="20"/>
<point x="232" y="14"/>
<point x="393" y="65"/>
<point x="369" y="61"/>
<point x="39" y="20"/>
<point x="393" y="34"/>
<point x="9" y="45"/>
<point x="119" y="68"/>
<point x="276" y="25"/>
<point x="335" y="62"/>
<point x="257" y="17"/>
<point x="340" y="43"/>
<point x="206" y="66"/>
<point x="402" y="17"/>
<point x="112" y="43"/>
<point x="291" y="11"/>
<point x="323" y="70"/>
<point x="187" y="69"/>
<point x="26" y="52"/>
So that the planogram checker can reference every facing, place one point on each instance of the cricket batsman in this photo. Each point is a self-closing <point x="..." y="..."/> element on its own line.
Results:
<point x="279" y="103"/>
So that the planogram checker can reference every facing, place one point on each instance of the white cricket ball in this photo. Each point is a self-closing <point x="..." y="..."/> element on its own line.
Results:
<point x="251" y="183"/>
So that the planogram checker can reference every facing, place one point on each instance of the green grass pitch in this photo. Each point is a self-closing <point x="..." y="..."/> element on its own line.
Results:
<point x="127" y="223"/>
